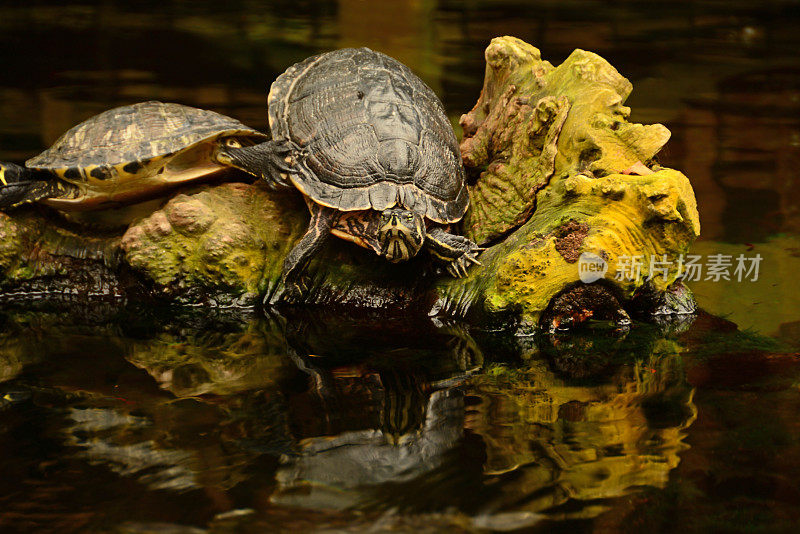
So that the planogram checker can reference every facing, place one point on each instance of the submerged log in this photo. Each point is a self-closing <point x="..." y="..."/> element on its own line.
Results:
<point x="556" y="172"/>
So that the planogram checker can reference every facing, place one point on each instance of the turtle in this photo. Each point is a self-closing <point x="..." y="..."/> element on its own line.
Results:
<point x="125" y="155"/>
<point x="369" y="146"/>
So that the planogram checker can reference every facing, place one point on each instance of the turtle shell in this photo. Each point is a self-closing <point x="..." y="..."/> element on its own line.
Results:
<point x="371" y="135"/>
<point x="124" y="143"/>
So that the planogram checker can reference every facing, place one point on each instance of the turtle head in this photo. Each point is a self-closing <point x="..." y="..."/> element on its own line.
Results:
<point x="11" y="173"/>
<point x="401" y="234"/>
<point x="227" y="153"/>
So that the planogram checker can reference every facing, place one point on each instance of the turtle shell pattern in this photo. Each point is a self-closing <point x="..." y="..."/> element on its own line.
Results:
<point x="120" y="142"/>
<point x="371" y="134"/>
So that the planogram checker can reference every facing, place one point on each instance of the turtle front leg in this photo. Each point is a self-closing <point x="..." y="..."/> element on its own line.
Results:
<point x="272" y="161"/>
<point x="294" y="266"/>
<point x="454" y="251"/>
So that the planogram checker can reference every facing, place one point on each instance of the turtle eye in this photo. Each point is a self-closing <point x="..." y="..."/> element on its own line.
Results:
<point x="409" y="217"/>
<point x="232" y="143"/>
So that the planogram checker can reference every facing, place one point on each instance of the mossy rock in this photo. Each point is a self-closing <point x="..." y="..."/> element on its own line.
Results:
<point x="225" y="240"/>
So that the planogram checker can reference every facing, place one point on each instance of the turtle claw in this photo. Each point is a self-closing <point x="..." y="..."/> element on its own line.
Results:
<point x="458" y="267"/>
<point x="286" y="156"/>
<point x="301" y="153"/>
<point x="461" y="267"/>
<point x="282" y="166"/>
<point x="456" y="252"/>
<point x="280" y="163"/>
<point x="472" y="258"/>
<point x="460" y="263"/>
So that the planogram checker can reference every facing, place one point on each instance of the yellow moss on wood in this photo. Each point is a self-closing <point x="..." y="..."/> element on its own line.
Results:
<point x="626" y="216"/>
<point x="534" y="121"/>
<point x="598" y="192"/>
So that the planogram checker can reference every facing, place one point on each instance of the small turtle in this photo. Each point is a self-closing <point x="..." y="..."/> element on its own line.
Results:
<point x="125" y="155"/>
<point x="369" y="146"/>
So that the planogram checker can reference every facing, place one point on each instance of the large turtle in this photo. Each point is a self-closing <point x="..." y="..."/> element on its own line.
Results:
<point x="369" y="146"/>
<point x="125" y="155"/>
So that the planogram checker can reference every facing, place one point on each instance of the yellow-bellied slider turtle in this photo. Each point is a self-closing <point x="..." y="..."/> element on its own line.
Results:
<point x="125" y="155"/>
<point x="369" y="146"/>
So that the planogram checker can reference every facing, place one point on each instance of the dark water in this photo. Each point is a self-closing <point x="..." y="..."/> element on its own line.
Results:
<point x="143" y="420"/>
<point x="125" y="421"/>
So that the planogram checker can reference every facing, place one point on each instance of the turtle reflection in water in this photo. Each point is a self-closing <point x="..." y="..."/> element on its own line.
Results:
<point x="363" y="139"/>
<point x="342" y="471"/>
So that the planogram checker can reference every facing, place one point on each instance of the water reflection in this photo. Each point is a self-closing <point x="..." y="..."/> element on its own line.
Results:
<point x="188" y="362"/>
<point x="357" y="467"/>
<point x="368" y="414"/>
<point x="568" y="447"/>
